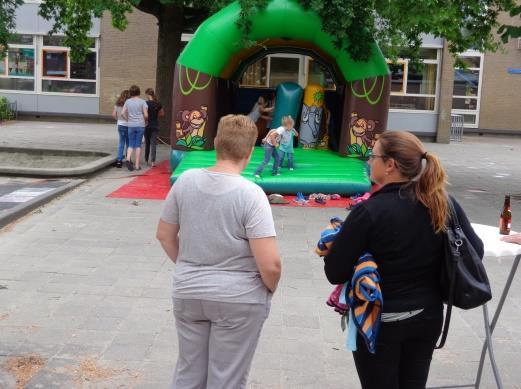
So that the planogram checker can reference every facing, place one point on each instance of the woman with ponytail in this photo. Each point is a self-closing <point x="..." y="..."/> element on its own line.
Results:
<point x="155" y="111"/>
<point x="402" y="226"/>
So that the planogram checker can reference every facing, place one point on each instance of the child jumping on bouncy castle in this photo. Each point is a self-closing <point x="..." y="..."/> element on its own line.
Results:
<point x="286" y="141"/>
<point x="271" y="142"/>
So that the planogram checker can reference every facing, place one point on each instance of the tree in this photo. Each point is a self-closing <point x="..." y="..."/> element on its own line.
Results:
<point x="397" y="25"/>
<point x="74" y="19"/>
<point x="7" y="22"/>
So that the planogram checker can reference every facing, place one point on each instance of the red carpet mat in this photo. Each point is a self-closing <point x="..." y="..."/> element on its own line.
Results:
<point x="154" y="184"/>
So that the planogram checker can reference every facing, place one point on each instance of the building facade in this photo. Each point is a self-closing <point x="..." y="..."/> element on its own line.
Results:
<point x="39" y="75"/>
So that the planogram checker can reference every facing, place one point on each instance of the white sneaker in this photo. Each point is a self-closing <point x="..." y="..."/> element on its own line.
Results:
<point x="256" y="176"/>
<point x="290" y="168"/>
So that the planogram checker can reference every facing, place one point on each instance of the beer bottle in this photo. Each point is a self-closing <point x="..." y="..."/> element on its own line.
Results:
<point x="506" y="218"/>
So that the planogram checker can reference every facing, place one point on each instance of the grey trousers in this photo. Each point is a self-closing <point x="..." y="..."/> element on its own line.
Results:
<point x="217" y="342"/>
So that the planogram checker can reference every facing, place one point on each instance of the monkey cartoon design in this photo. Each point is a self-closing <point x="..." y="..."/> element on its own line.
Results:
<point x="362" y="130"/>
<point x="192" y="122"/>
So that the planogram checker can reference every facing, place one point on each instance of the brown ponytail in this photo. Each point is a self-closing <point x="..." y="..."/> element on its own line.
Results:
<point x="151" y="93"/>
<point x="426" y="175"/>
<point x="122" y="98"/>
<point x="430" y="190"/>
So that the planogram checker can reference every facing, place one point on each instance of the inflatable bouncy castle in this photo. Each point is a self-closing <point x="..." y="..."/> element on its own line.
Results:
<point x="338" y="128"/>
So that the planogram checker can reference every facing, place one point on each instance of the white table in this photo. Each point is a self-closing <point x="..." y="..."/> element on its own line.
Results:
<point x="494" y="247"/>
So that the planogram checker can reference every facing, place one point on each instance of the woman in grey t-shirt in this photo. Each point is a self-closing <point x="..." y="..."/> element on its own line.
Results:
<point x="218" y="229"/>
<point x="122" y="127"/>
<point x="135" y="111"/>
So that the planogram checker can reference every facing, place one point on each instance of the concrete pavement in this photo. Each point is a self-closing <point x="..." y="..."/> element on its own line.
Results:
<point x="85" y="287"/>
<point x="18" y="197"/>
<point x="58" y="135"/>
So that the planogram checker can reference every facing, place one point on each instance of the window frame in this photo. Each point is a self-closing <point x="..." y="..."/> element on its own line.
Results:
<point x="436" y="95"/>
<point x="268" y="68"/>
<point x="307" y="66"/>
<point x="301" y="60"/>
<point x="43" y="78"/>
<point x="5" y="74"/>
<point x="67" y="63"/>
<point x="470" y="112"/>
<point x="303" y="75"/>
<point x="38" y="77"/>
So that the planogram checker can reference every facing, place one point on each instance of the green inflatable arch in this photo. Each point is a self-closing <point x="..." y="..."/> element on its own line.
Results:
<point x="218" y="41"/>
<point x="207" y="82"/>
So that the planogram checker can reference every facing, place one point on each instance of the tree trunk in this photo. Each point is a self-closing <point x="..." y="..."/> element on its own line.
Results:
<point x="171" y="23"/>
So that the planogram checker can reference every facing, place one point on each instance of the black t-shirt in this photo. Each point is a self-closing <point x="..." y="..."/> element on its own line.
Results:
<point x="396" y="229"/>
<point x="153" y="112"/>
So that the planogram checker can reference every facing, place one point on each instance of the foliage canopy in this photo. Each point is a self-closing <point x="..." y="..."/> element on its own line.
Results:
<point x="395" y="24"/>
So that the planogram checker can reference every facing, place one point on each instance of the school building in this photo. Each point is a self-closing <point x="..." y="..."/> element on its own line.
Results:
<point x="40" y="77"/>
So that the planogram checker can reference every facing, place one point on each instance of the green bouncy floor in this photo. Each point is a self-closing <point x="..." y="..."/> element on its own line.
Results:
<point x="316" y="171"/>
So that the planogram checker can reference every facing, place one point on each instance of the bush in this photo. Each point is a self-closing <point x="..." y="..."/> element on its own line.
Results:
<point x="7" y="111"/>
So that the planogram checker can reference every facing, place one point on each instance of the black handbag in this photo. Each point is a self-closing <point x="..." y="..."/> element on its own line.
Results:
<point x="464" y="281"/>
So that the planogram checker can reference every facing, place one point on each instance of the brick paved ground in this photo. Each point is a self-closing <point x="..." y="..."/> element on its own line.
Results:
<point x="85" y="286"/>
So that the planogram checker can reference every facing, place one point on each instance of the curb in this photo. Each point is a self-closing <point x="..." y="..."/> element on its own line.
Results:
<point x="20" y="210"/>
<point x="103" y="161"/>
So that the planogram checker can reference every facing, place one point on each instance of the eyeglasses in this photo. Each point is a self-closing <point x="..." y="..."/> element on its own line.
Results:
<point x="374" y="156"/>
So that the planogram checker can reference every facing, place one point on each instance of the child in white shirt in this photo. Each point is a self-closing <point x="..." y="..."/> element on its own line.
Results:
<point x="271" y="143"/>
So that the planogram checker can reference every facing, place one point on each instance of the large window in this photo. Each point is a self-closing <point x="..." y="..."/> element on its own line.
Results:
<point x="271" y="70"/>
<point x="319" y="75"/>
<point x="61" y="75"/>
<point x="55" y="72"/>
<point x="17" y="68"/>
<point x="415" y="87"/>
<point x="466" y="92"/>
<point x="275" y="69"/>
<point x="256" y="75"/>
<point x="284" y="69"/>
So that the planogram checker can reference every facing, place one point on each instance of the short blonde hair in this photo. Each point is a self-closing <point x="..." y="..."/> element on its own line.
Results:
<point x="236" y="135"/>
<point x="288" y="120"/>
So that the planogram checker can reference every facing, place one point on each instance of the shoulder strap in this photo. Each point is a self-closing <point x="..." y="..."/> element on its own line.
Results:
<point x="452" y="222"/>
<point x="453" y="216"/>
<point x="448" y="312"/>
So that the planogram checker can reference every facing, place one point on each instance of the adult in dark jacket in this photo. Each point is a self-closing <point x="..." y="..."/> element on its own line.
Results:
<point x="402" y="226"/>
<point x="155" y="111"/>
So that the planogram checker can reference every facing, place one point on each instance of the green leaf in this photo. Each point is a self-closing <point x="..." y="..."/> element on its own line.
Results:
<point x="188" y="140"/>
<point x="198" y="142"/>
<point x="355" y="149"/>
<point x="363" y="150"/>
<point x="7" y="23"/>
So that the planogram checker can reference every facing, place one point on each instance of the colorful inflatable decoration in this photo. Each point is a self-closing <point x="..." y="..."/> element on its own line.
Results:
<point x="311" y="118"/>
<point x="364" y="103"/>
<point x="323" y="136"/>
<point x="288" y="100"/>
<point x="209" y="68"/>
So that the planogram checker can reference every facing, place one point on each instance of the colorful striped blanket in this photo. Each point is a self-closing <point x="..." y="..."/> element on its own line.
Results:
<point x="365" y="299"/>
<point x="328" y="236"/>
